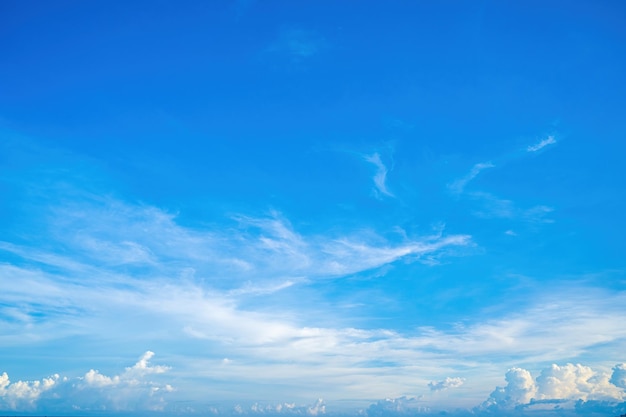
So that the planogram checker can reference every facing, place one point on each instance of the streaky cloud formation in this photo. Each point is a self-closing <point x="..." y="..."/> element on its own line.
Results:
<point x="380" y="178"/>
<point x="541" y="144"/>
<point x="458" y="186"/>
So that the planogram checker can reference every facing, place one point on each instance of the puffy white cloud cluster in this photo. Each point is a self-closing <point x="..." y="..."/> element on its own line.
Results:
<point x="567" y="383"/>
<point x="445" y="384"/>
<point x="130" y="390"/>
<point x="23" y="394"/>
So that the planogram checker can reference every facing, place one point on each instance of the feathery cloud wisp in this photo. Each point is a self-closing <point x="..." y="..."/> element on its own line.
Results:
<point x="541" y="144"/>
<point x="380" y="178"/>
<point x="459" y="185"/>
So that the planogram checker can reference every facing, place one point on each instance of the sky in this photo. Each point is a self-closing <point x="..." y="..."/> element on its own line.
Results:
<point x="281" y="208"/>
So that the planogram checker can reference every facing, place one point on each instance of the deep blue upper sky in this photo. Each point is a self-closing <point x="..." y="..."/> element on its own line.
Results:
<point x="287" y="201"/>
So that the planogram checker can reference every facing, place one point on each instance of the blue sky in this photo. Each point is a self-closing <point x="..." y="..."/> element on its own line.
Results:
<point x="307" y="208"/>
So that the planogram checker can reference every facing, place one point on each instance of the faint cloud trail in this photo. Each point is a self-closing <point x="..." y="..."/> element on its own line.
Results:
<point x="459" y="185"/>
<point x="380" y="178"/>
<point x="542" y="144"/>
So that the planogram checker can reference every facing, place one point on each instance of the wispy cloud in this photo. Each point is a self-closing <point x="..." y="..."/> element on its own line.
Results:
<point x="492" y="207"/>
<point x="274" y="346"/>
<point x="199" y="276"/>
<point x="201" y="284"/>
<point x="458" y="186"/>
<point x="380" y="178"/>
<point x="541" y="144"/>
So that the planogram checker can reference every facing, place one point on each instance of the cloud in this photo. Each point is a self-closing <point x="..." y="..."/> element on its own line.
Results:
<point x="520" y="389"/>
<point x="317" y="408"/>
<point x="541" y="144"/>
<point x="265" y="250"/>
<point x="275" y="347"/>
<point x="493" y="207"/>
<point x="129" y="390"/>
<point x="458" y="186"/>
<point x="401" y="405"/>
<point x="380" y="178"/>
<point x="23" y="394"/>
<point x="196" y="292"/>
<point x="566" y="385"/>
<point x="446" y="383"/>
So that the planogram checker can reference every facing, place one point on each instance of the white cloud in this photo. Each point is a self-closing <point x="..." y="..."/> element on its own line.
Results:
<point x="258" y="249"/>
<point x="380" y="178"/>
<point x="568" y="384"/>
<point x="458" y="186"/>
<point x="520" y="389"/>
<point x="400" y="405"/>
<point x="541" y="144"/>
<point x="23" y="394"/>
<point x="446" y="383"/>
<point x="129" y="390"/>
<point x="96" y="379"/>
<point x="142" y="367"/>
<point x="277" y="346"/>
<point x="498" y="208"/>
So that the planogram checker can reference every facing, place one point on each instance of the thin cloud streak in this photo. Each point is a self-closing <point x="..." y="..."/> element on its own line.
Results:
<point x="380" y="178"/>
<point x="541" y="144"/>
<point x="458" y="186"/>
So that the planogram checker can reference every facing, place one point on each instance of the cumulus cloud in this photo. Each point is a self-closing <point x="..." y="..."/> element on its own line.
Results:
<point x="127" y="391"/>
<point x="567" y="384"/>
<point x="380" y="178"/>
<point x="520" y="389"/>
<point x="445" y="384"/>
<point x="541" y="144"/>
<point x="23" y="394"/>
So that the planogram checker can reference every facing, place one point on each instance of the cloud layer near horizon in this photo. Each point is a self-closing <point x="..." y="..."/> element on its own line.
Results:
<point x="567" y="387"/>
<point x="255" y="345"/>
<point x="131" y="390"/>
